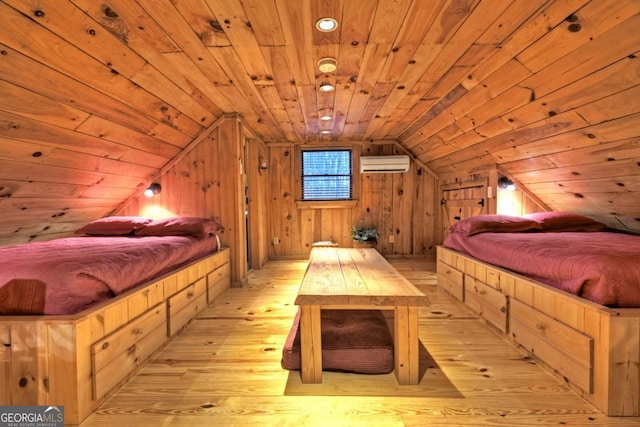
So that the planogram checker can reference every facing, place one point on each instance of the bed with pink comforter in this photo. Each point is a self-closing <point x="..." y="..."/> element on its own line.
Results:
<point x="603" y="267"/>
<point x="66" y="276"/>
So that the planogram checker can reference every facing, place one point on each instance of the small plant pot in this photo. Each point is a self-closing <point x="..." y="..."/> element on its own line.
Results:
<point x="363" y="244"/>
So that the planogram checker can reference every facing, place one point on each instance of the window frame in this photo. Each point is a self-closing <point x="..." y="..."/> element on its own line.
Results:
<point x="330" y="204"/>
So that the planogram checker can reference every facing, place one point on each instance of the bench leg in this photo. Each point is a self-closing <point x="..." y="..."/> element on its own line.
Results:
<point x="407" y="345"/>
<point x="310" y="344"/>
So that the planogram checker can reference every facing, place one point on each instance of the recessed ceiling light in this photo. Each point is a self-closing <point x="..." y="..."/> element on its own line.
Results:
<point x="327" y="65"/>
<point x="326" y="24"/>
<point x="326" y="87"/>
<point x="326" y="117"/>
<point x="325" y="132"/>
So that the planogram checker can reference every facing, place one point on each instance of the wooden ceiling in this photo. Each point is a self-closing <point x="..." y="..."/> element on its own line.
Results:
<point x="96" y="97"/>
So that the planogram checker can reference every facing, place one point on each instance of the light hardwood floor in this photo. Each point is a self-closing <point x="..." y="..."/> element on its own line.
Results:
<point x="224" y="370"/>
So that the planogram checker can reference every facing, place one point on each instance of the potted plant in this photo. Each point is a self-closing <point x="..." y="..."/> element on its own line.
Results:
<point x="364" y="236"/>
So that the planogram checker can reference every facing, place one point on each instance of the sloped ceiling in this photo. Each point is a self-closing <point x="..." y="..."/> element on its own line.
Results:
<point x="95" y="97"/>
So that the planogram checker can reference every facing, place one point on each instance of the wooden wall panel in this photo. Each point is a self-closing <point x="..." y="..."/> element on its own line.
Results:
<point x="398" y="205"/>
<point x="207" y="182"/>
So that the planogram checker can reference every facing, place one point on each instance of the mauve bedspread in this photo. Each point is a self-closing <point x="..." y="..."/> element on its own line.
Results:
<point x="602" y="267"/>
<point x="65" y="276"/>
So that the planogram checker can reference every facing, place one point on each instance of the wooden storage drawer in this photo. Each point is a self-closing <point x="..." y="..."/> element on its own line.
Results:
<point x="218" y="281"/>
<point x="566" y="350"/>
<point x="185" y="305"/>
<point x="490" y="304"/>
<point x="117" y="356"/>
<point x="451" y="280"/>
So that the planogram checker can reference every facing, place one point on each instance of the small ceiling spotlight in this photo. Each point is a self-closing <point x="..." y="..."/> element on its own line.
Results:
<point x="325" y="132"/>
<point x="152" y="190"/>
<point x="505" y="183"/>
<point x="327" y="65"/>
<point x="327" y="87"/>
<point x="326" y="117"/>
<point x="326" y="24"/>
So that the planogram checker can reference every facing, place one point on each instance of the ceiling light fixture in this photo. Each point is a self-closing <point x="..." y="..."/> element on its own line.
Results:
<point x="325" y="132"/>
<point x="326" y="87"/>
<point x="326" y="117"/>
<point x="327" y="65"/>
<point x="326" y="24"/>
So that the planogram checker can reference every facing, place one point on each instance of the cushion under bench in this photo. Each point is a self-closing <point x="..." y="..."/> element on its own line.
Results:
<point x="356" y="341"/>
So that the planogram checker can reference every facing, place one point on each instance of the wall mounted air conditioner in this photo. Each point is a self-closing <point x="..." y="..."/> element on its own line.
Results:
<point x="384" y="164"/>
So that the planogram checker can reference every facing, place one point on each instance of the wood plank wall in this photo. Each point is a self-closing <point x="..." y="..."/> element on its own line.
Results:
<point x="208" y="181"/>
<point x="400" y="206"/>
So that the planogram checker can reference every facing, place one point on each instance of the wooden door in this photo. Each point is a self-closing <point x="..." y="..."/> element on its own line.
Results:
<point x="462" y="200"/>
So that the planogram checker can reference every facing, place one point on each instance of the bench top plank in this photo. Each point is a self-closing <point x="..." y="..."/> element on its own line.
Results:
<point x="343" y="276"/>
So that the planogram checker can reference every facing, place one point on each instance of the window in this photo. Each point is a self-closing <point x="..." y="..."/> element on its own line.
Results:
<point x="327" y="175"/>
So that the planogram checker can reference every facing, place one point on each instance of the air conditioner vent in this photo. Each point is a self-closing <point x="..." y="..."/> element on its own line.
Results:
<point x="384" y="164"/>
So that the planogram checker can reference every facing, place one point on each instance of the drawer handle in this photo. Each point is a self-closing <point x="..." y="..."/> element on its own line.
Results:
<point x="105" y="345"/>
<point x="190" y="295"/>
<point x="137" y="331"/>
<point x="541" y="326"/>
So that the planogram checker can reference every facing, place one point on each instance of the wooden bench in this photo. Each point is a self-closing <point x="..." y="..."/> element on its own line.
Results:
<point x="341" y="279"/>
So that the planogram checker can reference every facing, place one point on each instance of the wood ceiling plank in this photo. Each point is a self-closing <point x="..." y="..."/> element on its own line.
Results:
<point x="537" y="26"/>
<point x="227" y="57"/>
<point x="22" y="128"/>
<point x="353" y="41"/>
<point x="265" y="22"/>
<point x="40" y="203"/>
<point x="613" y="169"/>
<point x="579" y="29"/>
<point x="200" y="17"/>
<point x="460" y="102"/>
<point x="626" y="184"/>
<point x="31" y="189"/>
<point x="328" y="9"/>
<point x="614" y="78"/>
<point x="237" y="27"/>
<point x="613" y="46"/>
<point x="22" y="102"/>
<point x="601" y="134"/>
<point x="74" y="26"/>
<point x="56" y="53"/>
<point x="466" y="148"/>
<point x="418" y="20"/>
<point x="284" y="81"/>
<point x="68" y="91"/>
<point x="439" y="51"/>
<point x="100" y="128"/>
<point x="611" y="107"/>
<point x="39" y="154"/>
<point x="130" y="23"/>
<point x="43" y="173"/>
<point x="517" y="13"/>
<point x="298" y="28"/>
<point x="169" y="17"/>
<point x="201" y="83"/>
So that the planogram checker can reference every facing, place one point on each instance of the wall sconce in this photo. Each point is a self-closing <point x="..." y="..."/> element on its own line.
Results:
<point x="262" y="164"/>
<point x="505" y="183"/>
<point x="152" y="190"/>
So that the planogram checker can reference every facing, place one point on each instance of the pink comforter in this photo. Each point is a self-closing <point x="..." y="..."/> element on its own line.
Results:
<point x="600" y="266"/>
<point x="65" y="276"/>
